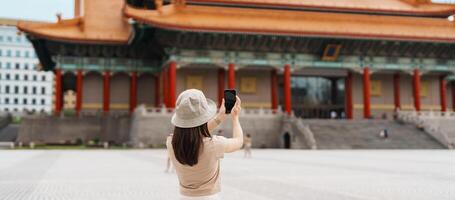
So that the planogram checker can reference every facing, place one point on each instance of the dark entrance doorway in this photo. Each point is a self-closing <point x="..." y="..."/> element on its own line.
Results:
<point x="287" y="140"/>
<point x="317" y="97"/>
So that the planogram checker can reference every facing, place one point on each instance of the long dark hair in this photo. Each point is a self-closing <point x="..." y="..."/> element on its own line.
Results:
<point x="187" y="143"/>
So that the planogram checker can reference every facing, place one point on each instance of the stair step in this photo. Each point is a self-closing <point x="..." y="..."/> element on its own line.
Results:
<point x="340" y="134"/>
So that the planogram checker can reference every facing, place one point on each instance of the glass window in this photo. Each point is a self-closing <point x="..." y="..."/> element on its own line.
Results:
<point x="15" y="109"/>
<point x="34" y="90"/>
<point x="16" y="77"/>
<point x="43" y="102"/>
<point x="9" y="39"/>
<point x="43" y="90"/>
<point x="25" y="78"/>
<point x="7" y="77"/>
<point x="43" y="78"/>
<point x="34" y="77"/>
<point x="18" y="39"/>
<point x="33" y="101"/>
<point x="7" y="100"/>
<point x="6" y="109"/>
<point x="16" y="101"/>
<point x="25" y="90"/>
<point x="27" y="54"/>
<point x="26" y="66"/>
<point x="16" y="89"/>
<point x="0" y="52"/>
<point x="18" y="65"/>
<point x="0" y="64"/>
<point x="1" y="38"/>
<point x="8" y="65"/>
<point x="24" y="101"/>
<point x="7" y="89"/>
<point x="18" y="53"/>
<point x="8" y="53"/>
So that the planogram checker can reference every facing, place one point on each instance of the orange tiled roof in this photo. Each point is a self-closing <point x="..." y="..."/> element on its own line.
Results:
<point x="98" y="25"/>
<point x="380" y="6"/>
<point x="13" y="22"/>
<point x="297" y="23"/>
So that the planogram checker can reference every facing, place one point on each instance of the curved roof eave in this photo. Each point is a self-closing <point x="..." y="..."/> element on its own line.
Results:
<point x="295" y="23"/>
<point x="71" y="31"/>
<point x="397" y="7"/>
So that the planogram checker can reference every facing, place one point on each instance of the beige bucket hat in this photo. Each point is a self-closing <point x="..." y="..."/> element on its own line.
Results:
<point x="193" y="109"/>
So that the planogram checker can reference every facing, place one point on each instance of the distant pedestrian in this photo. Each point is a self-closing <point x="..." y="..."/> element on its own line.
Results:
<point x="384" y="134"/>
<point x="333" y="115"/>
<point x="343" y="115"/>
<point x="247" y="141"/>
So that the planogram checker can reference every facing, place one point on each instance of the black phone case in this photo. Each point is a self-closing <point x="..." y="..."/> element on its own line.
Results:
<point x="228" y="104"/>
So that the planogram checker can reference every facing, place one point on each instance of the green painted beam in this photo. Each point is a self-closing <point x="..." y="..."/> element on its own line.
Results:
<point x="102" y="64"/>
<point x="306" y="60"/>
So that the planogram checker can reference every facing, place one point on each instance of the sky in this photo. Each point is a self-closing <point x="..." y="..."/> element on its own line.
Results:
<point x="41" y="10"/>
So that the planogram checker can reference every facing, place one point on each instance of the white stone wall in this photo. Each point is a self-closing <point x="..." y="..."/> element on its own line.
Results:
<point x="19" y="77"/>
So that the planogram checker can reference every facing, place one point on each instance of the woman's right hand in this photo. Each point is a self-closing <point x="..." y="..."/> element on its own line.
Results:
<point x="235" y="112"/>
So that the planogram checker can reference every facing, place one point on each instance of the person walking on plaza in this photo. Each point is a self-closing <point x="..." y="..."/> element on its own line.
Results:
<point x="247" y="142"/>
<point x="193" y="150"/>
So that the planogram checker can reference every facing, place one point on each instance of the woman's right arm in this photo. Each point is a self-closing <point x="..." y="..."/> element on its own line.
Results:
<point x="236" y="142"/>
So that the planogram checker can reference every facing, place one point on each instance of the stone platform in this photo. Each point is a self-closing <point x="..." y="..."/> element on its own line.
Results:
<point x="270" y="174"/>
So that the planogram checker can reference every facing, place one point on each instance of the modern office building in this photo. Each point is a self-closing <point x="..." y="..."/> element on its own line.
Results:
<point x="22" y="87"/>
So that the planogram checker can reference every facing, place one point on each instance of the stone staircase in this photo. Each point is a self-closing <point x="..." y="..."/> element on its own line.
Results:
<point x="364" y="134"/>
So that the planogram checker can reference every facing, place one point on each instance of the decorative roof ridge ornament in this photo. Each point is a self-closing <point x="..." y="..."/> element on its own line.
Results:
<point x="59" y="17"/>
<point x="179" y="4"/>
<point x="159" y="5"/>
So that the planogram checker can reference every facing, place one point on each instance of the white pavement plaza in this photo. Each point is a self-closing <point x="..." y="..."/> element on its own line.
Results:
<point x="270" y="174"/>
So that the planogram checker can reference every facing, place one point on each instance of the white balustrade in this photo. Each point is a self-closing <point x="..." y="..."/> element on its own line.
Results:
<point x="432" y="122"/>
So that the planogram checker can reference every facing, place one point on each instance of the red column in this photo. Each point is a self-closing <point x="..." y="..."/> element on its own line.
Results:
<point x="58" y="91"/>
<point x="416" y="89"/>
<point x="366" y="93"/>
<point x="273" y="92"/>
<point x="133" y="91"/>
<point x="287" y="88"/>
<point x="165" y="87"/>
<point x="172" y="83"/>
<point x="443" y="93"/>
<point x="221" y="81"/>
<point x="396" y="90"/>
<point x="106" y="91"/>
<point x="157" y="90"/>
<point x="231" y="76"/>
<point x="79" y="82"/>
<point x="453" y="96"/>
<point x="349" y="102"/>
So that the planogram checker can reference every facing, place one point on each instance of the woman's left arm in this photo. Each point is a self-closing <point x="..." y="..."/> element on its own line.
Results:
<point x="218" y="119"/>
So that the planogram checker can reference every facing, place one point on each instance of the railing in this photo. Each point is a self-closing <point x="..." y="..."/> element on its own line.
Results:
<point x="306" y="132"/>
<point x="320" y="112"/>
<point x="143" y="111"/>
<point x="425" y="121"/>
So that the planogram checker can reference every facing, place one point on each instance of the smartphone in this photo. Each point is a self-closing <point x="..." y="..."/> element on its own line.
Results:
<point x="229" y="100"/>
